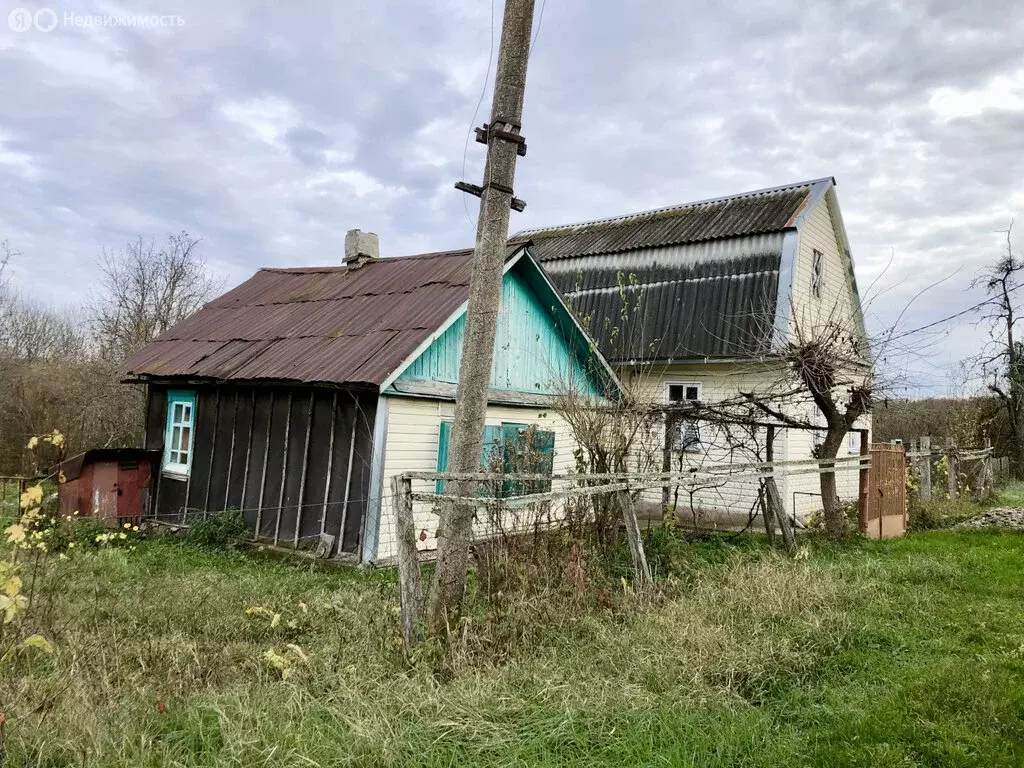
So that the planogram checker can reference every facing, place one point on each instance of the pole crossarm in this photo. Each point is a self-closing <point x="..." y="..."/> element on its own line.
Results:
<point x="477" y="191"/>
<point x="484" y="134"/>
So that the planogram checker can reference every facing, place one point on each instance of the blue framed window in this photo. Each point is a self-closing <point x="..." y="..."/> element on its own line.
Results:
<point x="178" y="439"/>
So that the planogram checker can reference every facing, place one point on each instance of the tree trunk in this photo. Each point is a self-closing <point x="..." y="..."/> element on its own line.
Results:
<point x="835" y="519"/>
<point x="1016" y="431"/>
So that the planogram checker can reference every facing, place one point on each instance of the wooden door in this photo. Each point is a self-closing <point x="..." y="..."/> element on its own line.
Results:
<point x="886" y="514"/>
<point x="129" y="493"/>
<point x="104" y="492"/>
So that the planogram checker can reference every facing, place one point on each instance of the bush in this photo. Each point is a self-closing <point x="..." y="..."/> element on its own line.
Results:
<point x="939" y="513"/>
<point x="219" y="531"/>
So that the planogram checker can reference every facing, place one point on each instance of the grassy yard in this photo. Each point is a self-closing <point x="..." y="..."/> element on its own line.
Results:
<point x="899" y="653"/>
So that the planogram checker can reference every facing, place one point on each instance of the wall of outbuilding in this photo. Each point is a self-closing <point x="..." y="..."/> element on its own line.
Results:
<point x="294" y="460"/>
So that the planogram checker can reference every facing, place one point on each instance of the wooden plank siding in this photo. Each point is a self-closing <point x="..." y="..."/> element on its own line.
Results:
<point x="259" y="449"/>
<point x="531" y="354"/>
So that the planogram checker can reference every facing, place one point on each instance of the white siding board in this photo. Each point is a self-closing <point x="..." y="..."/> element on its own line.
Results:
<point x="413" y="432"/>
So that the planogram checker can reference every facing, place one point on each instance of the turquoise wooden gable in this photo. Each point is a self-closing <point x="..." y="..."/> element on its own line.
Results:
<point x="531" y="353"/>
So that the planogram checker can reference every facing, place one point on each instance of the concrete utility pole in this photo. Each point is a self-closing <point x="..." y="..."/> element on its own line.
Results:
<point x="504" y="144"/>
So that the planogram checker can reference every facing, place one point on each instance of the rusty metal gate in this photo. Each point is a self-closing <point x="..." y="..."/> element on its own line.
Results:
<point x="884" y="500"/>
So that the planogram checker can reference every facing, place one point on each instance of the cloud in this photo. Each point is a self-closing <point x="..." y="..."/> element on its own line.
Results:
<point x="271" y="131"/>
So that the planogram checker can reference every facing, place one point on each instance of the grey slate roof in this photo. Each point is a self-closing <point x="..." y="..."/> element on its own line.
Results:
<point x="699" y="279"/>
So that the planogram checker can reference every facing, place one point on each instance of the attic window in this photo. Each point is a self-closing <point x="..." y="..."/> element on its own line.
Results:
<point x="817" y="274"/>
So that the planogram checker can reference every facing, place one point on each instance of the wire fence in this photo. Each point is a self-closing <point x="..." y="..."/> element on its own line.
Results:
<point x="941" y="468"/>
<point x="501" y="522"/>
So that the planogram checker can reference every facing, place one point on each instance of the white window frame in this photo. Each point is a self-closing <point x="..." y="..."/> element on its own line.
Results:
<point x="684" y="384"/>
<point x="817" y="273"/>
<point x="694" y="446"/>
<point x="173" y="450"/>
<point x="853" y="441"/>
<point x="818" y="420"/>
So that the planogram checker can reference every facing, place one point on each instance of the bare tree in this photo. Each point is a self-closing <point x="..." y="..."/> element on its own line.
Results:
<point x="5" y="257"/>
<point x="146" y="290"/>
<point x="1001" y="363"/>
<point x="30" y="330"/>
<point x="829" y="366"/>
<point x="6" y="254"/>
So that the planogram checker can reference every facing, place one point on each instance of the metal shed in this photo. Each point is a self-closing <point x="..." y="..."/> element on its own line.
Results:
<point x="111" y="483"/>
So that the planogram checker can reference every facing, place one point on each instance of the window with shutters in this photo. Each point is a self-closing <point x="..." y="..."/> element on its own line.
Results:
<point x="178" y="439"/>
<point x="685" y="432"/>
<point x="511" y="448"/>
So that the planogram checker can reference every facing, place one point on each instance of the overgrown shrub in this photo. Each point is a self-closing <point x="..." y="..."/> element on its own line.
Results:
<point x="939" y="513"/>
<point x="219" y="531"/>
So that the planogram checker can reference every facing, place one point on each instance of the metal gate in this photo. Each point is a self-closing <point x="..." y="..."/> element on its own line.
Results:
<point x="885" y="510"/>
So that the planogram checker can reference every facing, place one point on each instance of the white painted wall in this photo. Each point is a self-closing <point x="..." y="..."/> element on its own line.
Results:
<point x="837" y="296"/>
<point x="836" y="305"/>
<point x="412" y="441"/>
<point x="718" y="381"/>
<point x="721" y="381"/>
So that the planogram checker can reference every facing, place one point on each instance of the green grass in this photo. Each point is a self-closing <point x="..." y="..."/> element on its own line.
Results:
<point x="944" y="512"/>
<point x="897" y="653"/>
<point x="1009" y="495"/>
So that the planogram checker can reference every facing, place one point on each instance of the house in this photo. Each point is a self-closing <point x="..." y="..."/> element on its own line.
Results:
<point x="688" y="302"/>
<point x="296" y="396"/>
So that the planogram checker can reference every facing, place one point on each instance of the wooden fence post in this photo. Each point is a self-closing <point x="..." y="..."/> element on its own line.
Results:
<point x="410" y="586"/>
<point x="778" y="510"/>
<point x="925" y="467"/>
<point x="767" y="516"/>
<point x="636" y="544"/>
<point x="951" y="468"/>
<point x="987" y="479"/>
<point x="772" y="506"/>
<point x="762" y="493"/>
<point x="862" y="482"/>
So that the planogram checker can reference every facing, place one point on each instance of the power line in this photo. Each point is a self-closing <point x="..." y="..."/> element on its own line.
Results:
<point x="540" y="20"/>
<point x="476" y="111"/>
<point x="954" y="316"/>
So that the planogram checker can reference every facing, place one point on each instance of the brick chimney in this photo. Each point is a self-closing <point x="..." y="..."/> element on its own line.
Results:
<point x="360" y="248"/>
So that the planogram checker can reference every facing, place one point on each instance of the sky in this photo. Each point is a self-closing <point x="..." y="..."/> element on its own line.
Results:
<point x="270" y="129"/>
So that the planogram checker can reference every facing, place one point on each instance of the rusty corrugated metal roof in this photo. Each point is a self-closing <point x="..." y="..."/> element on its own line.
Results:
<point x="705" y="275"/>
<point x="314" y="324"/>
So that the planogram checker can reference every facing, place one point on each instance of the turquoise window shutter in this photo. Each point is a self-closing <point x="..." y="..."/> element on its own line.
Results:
<point x="443" y="438"/>
<point x="544" y="449"/>
<point x="511" y="444"/>
<point x="492" y="456"/>
<point x="489" y="454"/>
